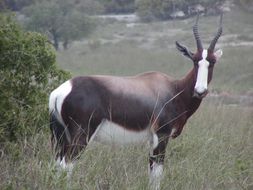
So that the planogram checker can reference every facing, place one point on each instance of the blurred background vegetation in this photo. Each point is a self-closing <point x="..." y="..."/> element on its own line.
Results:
<point x="44" y="42"/>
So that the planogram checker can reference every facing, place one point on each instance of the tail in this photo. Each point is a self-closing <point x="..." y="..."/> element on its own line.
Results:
<point x="58" y="136"/>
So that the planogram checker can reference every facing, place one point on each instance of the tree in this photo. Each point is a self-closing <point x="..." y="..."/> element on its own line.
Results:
<point x="28" y="73"/>
<point x="60" y="20"/>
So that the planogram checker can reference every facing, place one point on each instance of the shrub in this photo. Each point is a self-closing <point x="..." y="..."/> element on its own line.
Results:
<point x="27" y="74"/>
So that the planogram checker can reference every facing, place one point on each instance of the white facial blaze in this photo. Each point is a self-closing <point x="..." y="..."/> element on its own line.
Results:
<point x="202" y="76"/>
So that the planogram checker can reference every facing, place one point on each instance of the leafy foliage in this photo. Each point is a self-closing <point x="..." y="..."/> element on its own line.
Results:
<point x="27" y="73"/>
<point x="60" y="20"/>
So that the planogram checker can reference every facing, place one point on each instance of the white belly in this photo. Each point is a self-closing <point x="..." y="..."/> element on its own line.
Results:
<point x="111" y="133"/>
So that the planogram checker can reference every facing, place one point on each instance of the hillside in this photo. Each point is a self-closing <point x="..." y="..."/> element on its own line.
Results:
<point x="128" y="47"/>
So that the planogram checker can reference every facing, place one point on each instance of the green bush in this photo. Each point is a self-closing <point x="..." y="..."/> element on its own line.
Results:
<point x="28" y="73"/>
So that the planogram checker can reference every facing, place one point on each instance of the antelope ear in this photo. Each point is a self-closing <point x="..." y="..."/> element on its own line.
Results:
<point x="184" y="50"/>
<point x="218" y="54"/>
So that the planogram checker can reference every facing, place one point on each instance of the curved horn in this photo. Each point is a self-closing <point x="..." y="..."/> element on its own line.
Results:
<point x="196" y="34"/>
<point x="215" y="39"/>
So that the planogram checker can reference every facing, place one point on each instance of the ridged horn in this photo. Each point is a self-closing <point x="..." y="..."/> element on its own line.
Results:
<point x="196" y="34"/>
<point x="215" y="39"/>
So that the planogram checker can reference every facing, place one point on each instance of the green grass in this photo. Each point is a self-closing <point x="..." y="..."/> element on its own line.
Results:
<point x="214" y="152"/>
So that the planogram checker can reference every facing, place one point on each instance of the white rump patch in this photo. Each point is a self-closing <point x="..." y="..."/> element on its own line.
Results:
<point x="111" y="133"/>
<point x="57" y="97"/>
<point x="202" y="77"/>
<point x="155" y="176"/>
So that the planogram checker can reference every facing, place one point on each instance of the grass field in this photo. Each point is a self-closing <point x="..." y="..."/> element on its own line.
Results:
<point x="215" y="150"/>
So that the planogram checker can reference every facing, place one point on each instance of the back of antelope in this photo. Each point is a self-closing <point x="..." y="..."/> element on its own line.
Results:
<point x="150" y="107"/>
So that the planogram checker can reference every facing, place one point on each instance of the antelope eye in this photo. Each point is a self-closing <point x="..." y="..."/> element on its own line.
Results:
<point x="196" y="62"/>
<point x="211" y="59"/>
<point x="212" y="62"/>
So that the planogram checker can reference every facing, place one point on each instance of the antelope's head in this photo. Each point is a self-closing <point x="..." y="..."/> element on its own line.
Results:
<point x="204" y="60"/>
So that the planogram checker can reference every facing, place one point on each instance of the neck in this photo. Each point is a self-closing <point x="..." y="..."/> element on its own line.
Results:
<point x="186" y="86"/>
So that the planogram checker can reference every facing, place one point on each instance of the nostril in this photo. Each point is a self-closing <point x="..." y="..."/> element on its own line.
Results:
<point x="200" y="92"/>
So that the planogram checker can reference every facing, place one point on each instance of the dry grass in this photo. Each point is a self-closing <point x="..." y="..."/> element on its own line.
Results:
<point x="214" y="152"/>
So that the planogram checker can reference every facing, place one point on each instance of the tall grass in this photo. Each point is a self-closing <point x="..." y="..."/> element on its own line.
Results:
<point x="214" y="152"/>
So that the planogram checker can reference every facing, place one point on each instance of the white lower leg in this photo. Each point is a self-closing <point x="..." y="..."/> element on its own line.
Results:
<point x="68" y="167"/>
<point x="155" y="176"/>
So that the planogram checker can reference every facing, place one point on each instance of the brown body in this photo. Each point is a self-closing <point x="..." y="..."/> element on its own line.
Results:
<point x="147" y="100"/>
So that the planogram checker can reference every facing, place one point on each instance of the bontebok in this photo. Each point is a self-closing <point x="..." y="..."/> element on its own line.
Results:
<point x="149" y="107"/>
